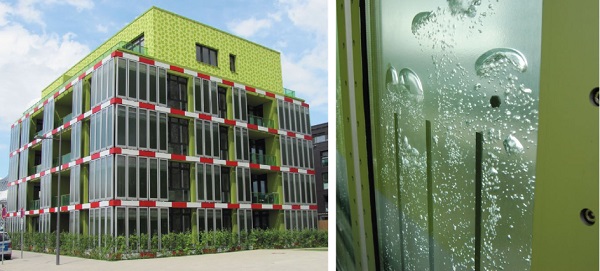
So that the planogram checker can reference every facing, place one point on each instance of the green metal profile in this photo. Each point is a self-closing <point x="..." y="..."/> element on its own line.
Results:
<point x="567" y="169"/>
<point x="355" y="247"/>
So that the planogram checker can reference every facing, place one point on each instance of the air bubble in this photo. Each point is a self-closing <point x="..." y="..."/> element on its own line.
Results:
<point x="464" y="7"/>
<point x="492" y="61"/>
<point x="391" y="78"/>
<point x="512" y="145"/>
<point x="410" y="81"/>
<point x="420" y="20"/>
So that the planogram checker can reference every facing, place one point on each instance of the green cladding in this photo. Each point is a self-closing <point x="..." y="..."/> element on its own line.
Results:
<point x="171" y="38"/>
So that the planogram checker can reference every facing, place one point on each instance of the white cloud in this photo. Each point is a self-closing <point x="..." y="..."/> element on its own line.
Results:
<point x="305" y="80"/>
<point x="29" y="10"/>
<point x="310" y="15"/>
<point x="249" y="27"/>
<point x="275" y="16"/>
<point x="4" y="11"/>
<point x="78" y="4"/>
<point x="28" y="63"/>
<point x="102" y="28"/>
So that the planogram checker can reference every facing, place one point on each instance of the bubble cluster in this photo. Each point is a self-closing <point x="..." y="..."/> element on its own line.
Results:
<point x="459" y="97"/>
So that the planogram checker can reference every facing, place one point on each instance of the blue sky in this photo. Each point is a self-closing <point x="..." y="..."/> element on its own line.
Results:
<point x="41" y="39"/>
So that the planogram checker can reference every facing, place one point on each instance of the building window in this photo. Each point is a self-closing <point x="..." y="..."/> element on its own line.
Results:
<point x="325" y="181"/>
<point x="320" y="138"/>
<point x="180" y="220"/>
<point x="205" y="96"/>
<point x="206" y="55"/>
<point x="324" y="158"/>
<point x="240" y="105"/>
<point x="207" y="138"/>
<point x="232" y="62"/>
<point x="208" y="178"/>
<point x="177" y="92"/>
<point x="178" y="136"/>
<point x="179" y="181"/>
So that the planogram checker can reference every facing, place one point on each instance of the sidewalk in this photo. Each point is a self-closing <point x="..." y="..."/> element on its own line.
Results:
<point x="268" y="259"/>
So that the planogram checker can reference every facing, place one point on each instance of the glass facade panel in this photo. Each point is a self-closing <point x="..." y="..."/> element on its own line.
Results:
<point x="153" y="130"/>
<point x="164" y="179"/>
<point x="132" y="80"/>
<point x="162" y="86"/>
<point x="201" y="181"/>
<point x="132" y="127"/>
<point x="143" y="126"/>
<point x="143" y="178"/>
<point x="152" y="90"/>
<point x="153" y="177"/>
<point x="132" y="180"/>
<point x="143" y="82"/>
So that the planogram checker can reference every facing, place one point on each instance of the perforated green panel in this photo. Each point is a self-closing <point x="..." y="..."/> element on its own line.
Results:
<point x="175" y="42"/>
<point x="172" y="39"/>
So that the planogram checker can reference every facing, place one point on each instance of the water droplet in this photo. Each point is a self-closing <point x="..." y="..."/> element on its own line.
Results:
<point x="526" y="90"/>
<point x="492" y="61"/>
<point x="421" y="19"/>
<point x="477" y="86"/>
<point x="492" y="171"/>
<point x="410" y="81"/>
<point x="391" y="78"/>
<point x="512" y="145"/>
<point x="508" y="236"/>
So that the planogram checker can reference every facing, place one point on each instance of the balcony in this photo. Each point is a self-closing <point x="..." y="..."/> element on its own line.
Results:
<point x="65" y="159"/>
<point x="262" y="159"/>
<point x="261" y="121"/>
<point x="138" y="49"/>
<point x="67" y="118"/>
<point x="34" y="205"/>
<point x="267" y="198"/>
<point x="34" y="169"/>
<point x="64" y="200"/>
<point x="289" y="92"/>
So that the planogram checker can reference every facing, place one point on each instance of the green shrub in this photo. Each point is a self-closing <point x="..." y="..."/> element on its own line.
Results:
<point x="116" y="248"/>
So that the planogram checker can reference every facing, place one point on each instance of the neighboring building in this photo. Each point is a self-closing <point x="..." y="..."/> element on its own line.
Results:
<point x="169" y="126"/>
<point x="320" y="136"/>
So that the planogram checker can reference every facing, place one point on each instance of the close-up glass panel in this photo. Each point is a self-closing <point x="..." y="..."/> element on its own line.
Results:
<point x="455" y="105"/>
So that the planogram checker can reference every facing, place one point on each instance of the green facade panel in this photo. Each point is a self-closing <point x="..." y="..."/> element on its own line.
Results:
<point x="172" y="38"/>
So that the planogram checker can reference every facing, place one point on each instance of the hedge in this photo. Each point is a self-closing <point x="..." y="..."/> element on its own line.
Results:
<point x="171" y="244"/>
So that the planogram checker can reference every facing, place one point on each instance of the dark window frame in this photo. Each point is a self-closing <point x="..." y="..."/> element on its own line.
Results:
<point x="232" y="63"/>
<point x="179" y="178"/>
<point x="207" y="58"/>
<point x="177" y="92"/>
<point x="178" y="138"/>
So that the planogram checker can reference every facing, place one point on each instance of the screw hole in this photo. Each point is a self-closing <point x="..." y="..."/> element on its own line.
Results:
<point x="495" y="101"/>
<point x="587" y="217"/>
<point x="594" y="96"/>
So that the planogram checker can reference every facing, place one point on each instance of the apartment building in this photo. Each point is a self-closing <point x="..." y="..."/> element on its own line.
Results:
<point x="169" y="126"/>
